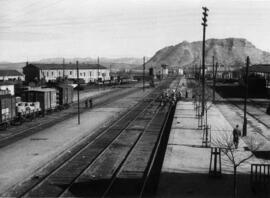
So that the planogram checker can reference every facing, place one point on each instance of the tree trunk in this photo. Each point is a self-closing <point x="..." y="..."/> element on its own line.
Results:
<point x="234" y="182"/>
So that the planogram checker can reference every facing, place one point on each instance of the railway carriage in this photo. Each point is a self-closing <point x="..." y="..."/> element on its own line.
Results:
<point x="46" y="96"/>
<point x="64" y="95"/>
<point x="8" y="112"/>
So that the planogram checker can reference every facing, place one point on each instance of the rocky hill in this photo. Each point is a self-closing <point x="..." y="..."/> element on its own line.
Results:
<point x="229" y="51"/>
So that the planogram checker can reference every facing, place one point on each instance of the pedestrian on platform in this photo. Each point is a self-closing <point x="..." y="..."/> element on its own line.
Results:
<point x="236" y="134"/>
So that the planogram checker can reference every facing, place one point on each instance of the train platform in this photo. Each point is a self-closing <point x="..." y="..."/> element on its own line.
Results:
<point x="185" y="170"/>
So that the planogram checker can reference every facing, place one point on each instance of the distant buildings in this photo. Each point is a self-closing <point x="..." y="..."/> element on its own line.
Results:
<point x="50" y="72"/>
<point x="10" y="75"/>
<point x="6" y="88"/>
<point x="262" y="70"/>
<point x="222" y="71"/>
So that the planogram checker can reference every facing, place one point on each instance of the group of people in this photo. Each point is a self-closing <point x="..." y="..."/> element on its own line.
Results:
<point x="170" y="96"/>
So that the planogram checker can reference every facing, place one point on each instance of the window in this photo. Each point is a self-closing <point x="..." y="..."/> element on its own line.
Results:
<point x="70" y="72"/>
<point x="90" y="74"/>
<point x="80" y="74"/>
<point x="59" y="73"/>
<point x="83" y="73"/>
<point x="52" y="73"/>
<point x="47" y="73"/>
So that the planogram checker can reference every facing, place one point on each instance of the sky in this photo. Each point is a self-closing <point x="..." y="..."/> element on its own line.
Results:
<point x="36" y="29"/>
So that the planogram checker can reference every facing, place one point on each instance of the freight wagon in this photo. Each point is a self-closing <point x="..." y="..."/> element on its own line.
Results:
<point x="28" y="109"/>
<point x="64" y="95"/>
<point x="8" y="106"/>
<point x="46" y="97"/>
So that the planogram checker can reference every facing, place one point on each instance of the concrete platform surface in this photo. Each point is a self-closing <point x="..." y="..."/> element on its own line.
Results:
<point x="186" y="164"/>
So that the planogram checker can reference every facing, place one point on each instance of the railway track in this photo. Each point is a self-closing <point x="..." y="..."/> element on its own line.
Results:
<point x="19" y="132"/>
<point x="258" y="120"/>
<point x="111" y="162"/>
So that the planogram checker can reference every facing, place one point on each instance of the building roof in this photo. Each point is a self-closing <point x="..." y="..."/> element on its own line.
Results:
<point x="66" y="66"/>
<point x="262" y="68"/>
<point x="7" y="72"/>
<point x="39" y="89"/>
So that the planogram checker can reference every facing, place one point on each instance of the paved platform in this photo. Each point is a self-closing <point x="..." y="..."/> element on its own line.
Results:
<point x="186" y="164"/>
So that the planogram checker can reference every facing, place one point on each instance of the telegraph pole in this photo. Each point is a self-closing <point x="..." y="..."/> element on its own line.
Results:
<point x="98" y="72"/>
<point x="98" y="67"/>
<point x="78" y="91"/>
<point x="63" y="68"/>
<point x="213" y="78"/>
<point x="205" y="10"/>
<point x="245" y="99"/>
<point x="110" y="73"/>
<point x="143" y="71"/>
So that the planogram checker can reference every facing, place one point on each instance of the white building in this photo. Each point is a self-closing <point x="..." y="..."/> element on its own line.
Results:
<point x="6" y="74"/>
<point x="180" y="71"/>
<point x="87" y="72"/>
<point x="7" y="88"/>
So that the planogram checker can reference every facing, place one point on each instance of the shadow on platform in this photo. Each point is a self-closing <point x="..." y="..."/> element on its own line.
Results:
<point x="191" y="185"/>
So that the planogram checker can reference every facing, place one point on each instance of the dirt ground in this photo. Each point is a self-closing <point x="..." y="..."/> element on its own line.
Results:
<point x="26" y="157"/>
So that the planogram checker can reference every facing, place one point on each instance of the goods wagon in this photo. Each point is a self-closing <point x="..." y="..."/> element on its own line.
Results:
<point x="8" y="109"/>
<point x="46" y="97"/>
<point x="64" y="94"/>
<point x="24" y="108"/>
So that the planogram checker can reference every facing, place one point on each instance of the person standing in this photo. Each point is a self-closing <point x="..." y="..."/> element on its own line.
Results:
<point x="236" y="134"/>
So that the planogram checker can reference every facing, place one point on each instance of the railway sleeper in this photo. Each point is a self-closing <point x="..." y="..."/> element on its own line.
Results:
<point x="130" y="179"/>
<point x="96" y="179"/>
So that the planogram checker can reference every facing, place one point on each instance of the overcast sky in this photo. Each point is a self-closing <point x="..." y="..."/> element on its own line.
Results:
<point x="36" y="29"/>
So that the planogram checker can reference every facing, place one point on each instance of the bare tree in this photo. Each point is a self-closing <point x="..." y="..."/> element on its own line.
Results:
<point x="236" y="157"/>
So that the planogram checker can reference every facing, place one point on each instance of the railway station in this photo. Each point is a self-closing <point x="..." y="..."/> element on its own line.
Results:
<point x="141" y="143"/>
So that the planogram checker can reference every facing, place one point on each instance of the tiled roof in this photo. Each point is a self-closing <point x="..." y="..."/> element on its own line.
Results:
<point x="6" y="72"/>
<point x="263" y="68"/>
<point x="66" y="66"/>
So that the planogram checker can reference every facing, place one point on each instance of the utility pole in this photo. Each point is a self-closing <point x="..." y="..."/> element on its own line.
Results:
<point x="110" y="68"/>
<point x="205" y="10"/>
<point x="143" y="71"/>
<point x="63" y="68"/>
<point x="98" y="67"/>
<point x="78" y="92"/>
<point x="214" y="80"/>
<point x="245" y="99"/>
<point x="110" y="73"/>
<point x="98" y="73"/>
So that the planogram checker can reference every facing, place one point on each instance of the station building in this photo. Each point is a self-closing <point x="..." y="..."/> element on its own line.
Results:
<point x="50" y="72"/>
<point x="10" y="75"/>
